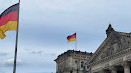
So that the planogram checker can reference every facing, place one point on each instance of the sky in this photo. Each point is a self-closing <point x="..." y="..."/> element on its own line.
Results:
<point x="45" y="24"/>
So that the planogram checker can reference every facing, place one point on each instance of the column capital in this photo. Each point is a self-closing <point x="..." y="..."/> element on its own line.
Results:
<point x="125" y="64"/>
<point x="113" y="68"/>
<point x="102" y="71"/>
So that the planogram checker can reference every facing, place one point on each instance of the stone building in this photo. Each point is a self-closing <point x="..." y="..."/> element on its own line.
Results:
<point x="72" y="62"/>
<point x="112" y="56"/>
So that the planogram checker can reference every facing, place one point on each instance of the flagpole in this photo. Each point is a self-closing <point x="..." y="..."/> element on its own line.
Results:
<point x="76" y="44"/>
<point x="15" y="55"/>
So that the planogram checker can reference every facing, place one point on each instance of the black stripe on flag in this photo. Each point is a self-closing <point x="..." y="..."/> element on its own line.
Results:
<point x="12" y="8"/>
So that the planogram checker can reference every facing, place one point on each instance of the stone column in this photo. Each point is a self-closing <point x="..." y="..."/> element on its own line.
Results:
<point x="103" y="71"/>
<point x="126" y="67"/>
<point x="113" y="69"/>
<point x="56" y="67"/>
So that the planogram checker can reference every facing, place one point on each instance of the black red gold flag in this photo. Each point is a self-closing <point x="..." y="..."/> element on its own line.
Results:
<point x="71" y="37"/>
<point x="8" y="20"/>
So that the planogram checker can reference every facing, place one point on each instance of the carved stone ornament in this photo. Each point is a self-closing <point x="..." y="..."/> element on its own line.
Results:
<point x="114" y="44"/>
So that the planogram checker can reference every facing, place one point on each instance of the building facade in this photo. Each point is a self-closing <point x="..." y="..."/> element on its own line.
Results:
<point x="112" y="56"/>
<point x="72" y="62"/>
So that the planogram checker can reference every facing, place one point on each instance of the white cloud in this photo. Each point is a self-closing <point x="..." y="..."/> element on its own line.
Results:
<point x="10" y="62"/>
<point x="6" y="3"/>
<point x="63" y="5"/>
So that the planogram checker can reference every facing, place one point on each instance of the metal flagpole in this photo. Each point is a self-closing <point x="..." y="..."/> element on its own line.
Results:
<point x="76" y="44"/>
<point x="15" y="56"/>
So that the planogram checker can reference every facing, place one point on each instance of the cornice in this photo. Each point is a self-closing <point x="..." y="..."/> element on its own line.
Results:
<point x="112" y="56"/>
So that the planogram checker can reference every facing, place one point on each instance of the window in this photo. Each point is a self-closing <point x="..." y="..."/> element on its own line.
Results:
<point x="71" y="71"/>
<point x="87" y="67"/>
<point x="82" y="64"/>
<point x="76" y="63"/>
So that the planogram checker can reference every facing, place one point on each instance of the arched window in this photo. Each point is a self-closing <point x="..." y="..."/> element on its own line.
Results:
<point x="87" y="67"/>
<point x="82" y="64"/>
<point x="76" y="63"/>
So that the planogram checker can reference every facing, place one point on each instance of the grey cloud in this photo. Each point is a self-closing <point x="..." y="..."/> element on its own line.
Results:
<point x="27" y="49"/>
<point x="53" y="54"/>
<point x="3" y="54"/>
<point x="36" y="52"/>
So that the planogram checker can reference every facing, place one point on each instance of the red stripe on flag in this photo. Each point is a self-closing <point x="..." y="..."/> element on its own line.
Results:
<point x="73" y="36"/>
<point x="9" y="17"/>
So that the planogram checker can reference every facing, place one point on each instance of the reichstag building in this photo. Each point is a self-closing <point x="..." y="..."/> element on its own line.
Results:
<point x="112" y="56"/>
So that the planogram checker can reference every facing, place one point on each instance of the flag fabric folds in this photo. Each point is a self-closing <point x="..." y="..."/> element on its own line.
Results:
<point x="8" y="20"/>
<point x="71" y="37"/>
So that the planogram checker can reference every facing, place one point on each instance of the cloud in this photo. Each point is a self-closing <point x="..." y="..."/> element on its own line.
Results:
<point x="2" y="54"/>
<point x="10" y="62"/>
<point x="36" y="52"/>
<point x="55" y="5"/>
<point x="53" y="54"/>
<point x="1" y="71"/>
<point x="6" y="3"/>
<point x="40" y="53"/>
<point x="27" y="49"/>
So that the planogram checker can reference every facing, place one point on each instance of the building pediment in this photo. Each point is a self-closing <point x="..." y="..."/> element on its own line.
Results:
<point x="115" y="42"/>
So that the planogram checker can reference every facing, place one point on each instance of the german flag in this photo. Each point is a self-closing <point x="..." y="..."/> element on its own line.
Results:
<point x="71" y="37"/>
<point x="8" y="20"/>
